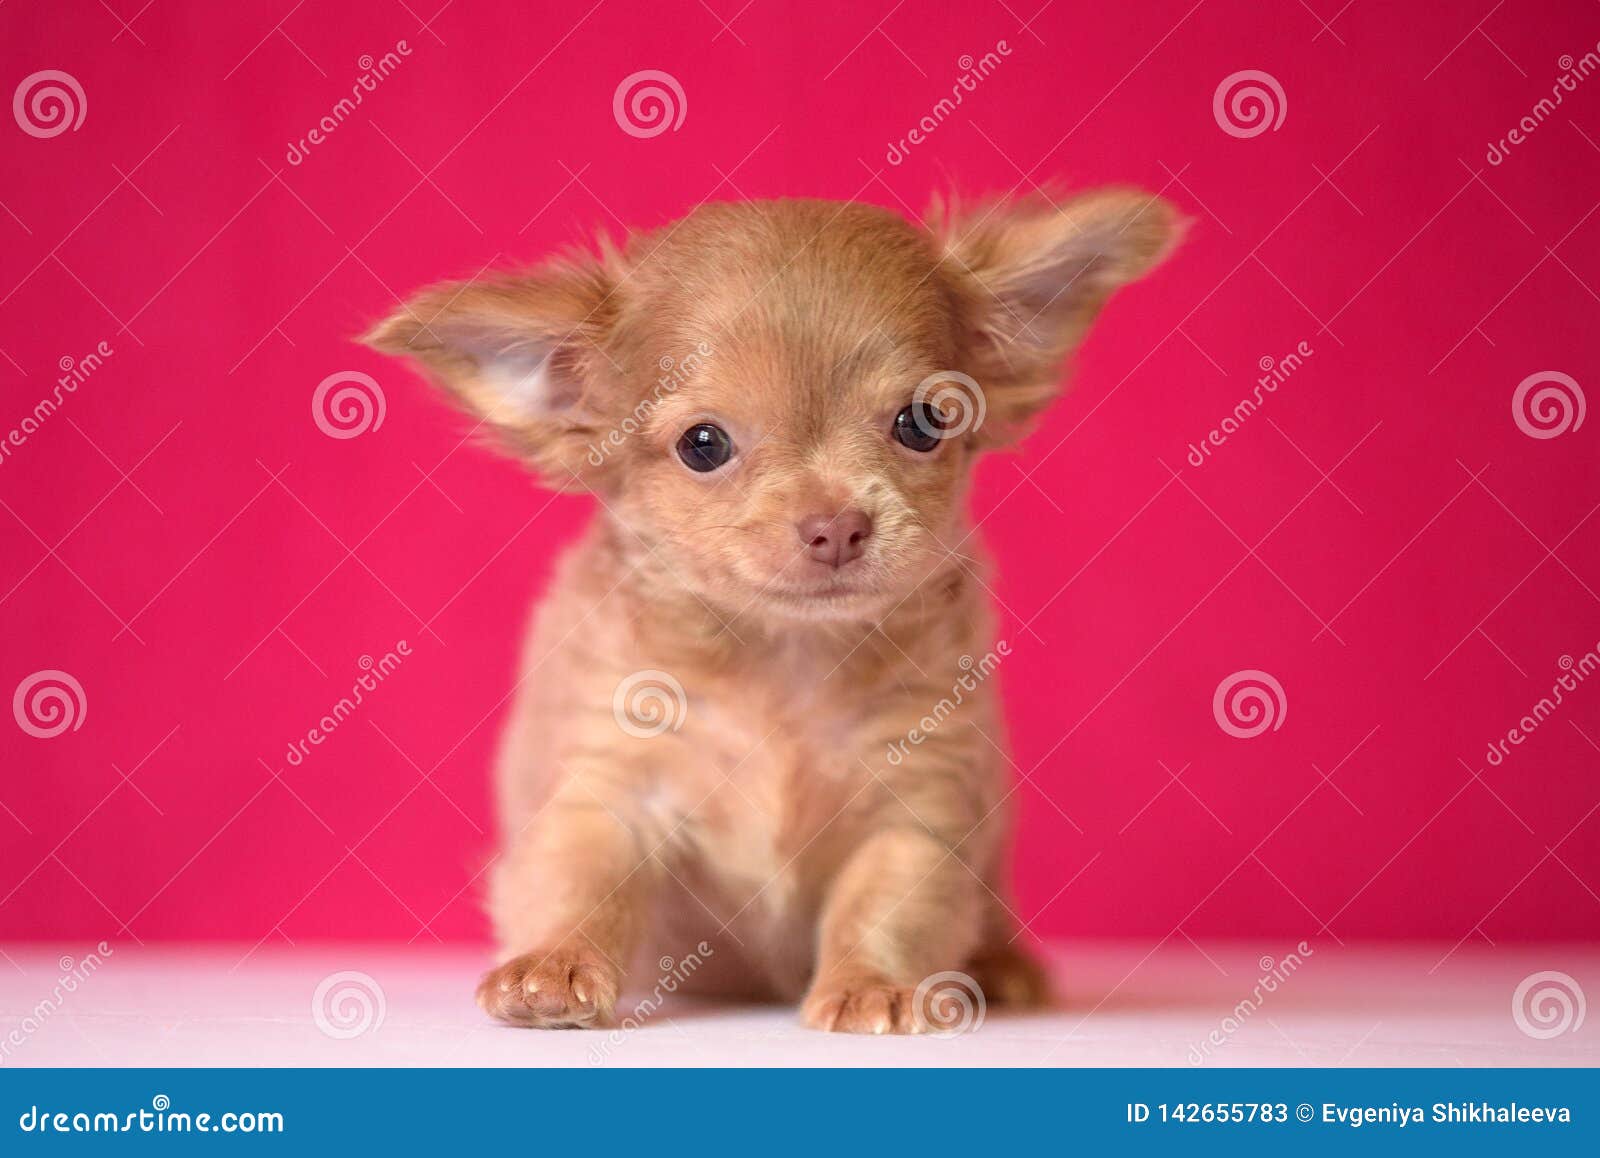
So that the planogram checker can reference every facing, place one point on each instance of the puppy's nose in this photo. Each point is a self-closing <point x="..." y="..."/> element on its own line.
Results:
<point x="836" y="540"/>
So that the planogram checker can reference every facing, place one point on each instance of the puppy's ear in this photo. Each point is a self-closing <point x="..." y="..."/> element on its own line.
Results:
<point x="522" y="353"/>
<point x="1031" y="277"/>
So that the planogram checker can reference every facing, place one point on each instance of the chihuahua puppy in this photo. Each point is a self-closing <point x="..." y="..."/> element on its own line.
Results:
<point x="747" y="730"/>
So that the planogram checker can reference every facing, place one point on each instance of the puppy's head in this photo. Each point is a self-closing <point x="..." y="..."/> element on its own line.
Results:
<point x="780" y="402"/>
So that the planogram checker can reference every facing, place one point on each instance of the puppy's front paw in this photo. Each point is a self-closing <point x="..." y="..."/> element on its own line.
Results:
<point x="552" y="989"/>
<point x="866" y="1004"/>
<point x="1009" y="976"/>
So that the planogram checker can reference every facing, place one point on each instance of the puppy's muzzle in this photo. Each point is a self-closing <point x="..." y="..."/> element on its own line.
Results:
<point x="837" y="539"/>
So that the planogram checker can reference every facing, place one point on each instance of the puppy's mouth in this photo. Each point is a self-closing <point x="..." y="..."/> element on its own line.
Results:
<point x="806" y="589"/>
<point x="834" y="599"/>
<point x="820" y="592"/>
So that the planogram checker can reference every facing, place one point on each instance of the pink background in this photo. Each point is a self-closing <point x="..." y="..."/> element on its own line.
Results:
<point x="1381" y="536"/>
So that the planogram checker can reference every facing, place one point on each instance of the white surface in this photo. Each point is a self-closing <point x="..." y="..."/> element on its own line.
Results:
<point x="1124" y="1005"/>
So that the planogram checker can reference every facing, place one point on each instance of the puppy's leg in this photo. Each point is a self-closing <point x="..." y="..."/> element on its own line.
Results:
<point x="569" y="901"/>
<point x="903" y="909"/>
<point x="1005" y="972"/>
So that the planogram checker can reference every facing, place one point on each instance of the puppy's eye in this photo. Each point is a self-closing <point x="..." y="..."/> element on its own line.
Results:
<point x="704" y="447"/>
<point x="919" y="427"/>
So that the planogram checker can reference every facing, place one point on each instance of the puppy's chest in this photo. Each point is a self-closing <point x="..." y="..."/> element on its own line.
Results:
<point x="773" y="771"/>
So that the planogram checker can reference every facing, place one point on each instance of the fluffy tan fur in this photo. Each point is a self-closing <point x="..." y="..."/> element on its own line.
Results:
<point x="766" y="820"/>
